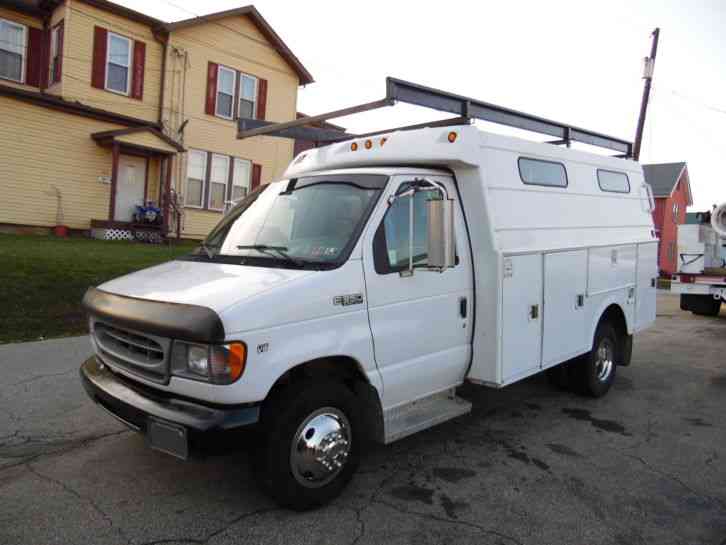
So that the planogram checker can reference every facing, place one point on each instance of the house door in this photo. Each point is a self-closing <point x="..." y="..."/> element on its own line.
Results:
<point x="129" y="186"/>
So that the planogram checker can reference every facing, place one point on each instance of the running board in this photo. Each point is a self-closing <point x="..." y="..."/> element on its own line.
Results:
<point x="421" y="414"/>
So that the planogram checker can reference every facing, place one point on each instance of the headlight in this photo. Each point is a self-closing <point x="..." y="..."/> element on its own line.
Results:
<point x="216" y="363"/>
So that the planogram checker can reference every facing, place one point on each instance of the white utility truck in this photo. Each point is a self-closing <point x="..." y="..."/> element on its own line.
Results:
<point x="701" y="277"/>
<point x="348" y="300"/>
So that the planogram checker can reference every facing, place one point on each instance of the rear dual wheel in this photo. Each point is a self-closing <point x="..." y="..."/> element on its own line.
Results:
<point x="593" y="374"/>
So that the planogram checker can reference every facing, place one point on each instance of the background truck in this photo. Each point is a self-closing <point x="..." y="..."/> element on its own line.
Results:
<point x="348" y="300"/>
<point x="701" y="276"/>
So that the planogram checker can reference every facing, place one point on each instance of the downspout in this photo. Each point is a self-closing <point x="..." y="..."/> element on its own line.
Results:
<point x="163" y="39"/>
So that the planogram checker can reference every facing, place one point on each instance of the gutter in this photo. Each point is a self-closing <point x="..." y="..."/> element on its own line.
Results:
<point x="162" y="36"/>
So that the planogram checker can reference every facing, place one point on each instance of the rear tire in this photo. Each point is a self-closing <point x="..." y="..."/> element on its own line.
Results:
<point x="595" y="372"/>
<point x="311" y="443"/>
<point x="701" y="305"/>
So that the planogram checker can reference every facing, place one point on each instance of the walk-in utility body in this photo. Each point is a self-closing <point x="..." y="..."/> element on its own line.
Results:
<point x="348" y="300"/>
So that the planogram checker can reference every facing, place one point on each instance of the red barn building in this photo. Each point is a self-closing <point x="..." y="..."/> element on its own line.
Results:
<point x="672" y="192"/>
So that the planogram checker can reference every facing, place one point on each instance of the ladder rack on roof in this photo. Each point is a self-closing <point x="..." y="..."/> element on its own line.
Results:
<point x="464" y="108"/>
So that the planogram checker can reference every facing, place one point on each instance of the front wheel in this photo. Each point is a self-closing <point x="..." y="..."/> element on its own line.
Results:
<point x="311" y="444"/>
<point x="595" y="373"/>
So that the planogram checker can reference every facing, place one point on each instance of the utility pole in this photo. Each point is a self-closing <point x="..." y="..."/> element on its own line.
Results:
<point x="648" y="67"/>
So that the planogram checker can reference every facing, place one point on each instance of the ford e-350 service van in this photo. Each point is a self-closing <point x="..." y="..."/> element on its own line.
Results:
<point x="348" y="300"/>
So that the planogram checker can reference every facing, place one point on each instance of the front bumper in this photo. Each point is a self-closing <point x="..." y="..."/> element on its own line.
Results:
<point x="135" y="404"/>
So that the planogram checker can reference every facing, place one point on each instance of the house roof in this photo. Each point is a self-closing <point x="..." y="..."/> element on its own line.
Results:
<point x="663" y="178"/>
<point x="264" y="27"/>
<point x="160" y="142"/>
<point x="38" y="7"/>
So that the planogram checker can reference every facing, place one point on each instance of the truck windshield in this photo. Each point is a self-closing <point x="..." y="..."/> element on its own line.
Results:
<point x="303" y="222"/>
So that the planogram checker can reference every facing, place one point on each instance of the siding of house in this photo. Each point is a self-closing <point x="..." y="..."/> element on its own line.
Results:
<point x="667" y="226"/>
<point x="81" y="19"/>
<point x="242" y="48"/>
<point x="64" y="154"/>
<point x="41" y="148"/>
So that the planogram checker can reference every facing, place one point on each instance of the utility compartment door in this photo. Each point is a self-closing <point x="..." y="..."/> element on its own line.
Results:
<point x="565" y="283"/>
<point x="645" y="284"/>
<point x="521" y="316"/>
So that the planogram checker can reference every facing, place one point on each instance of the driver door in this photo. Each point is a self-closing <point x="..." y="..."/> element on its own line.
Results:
<point x="421" y="324"/>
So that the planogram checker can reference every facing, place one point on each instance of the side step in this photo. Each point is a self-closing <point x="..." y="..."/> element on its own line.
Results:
<point x="421" y="414"/>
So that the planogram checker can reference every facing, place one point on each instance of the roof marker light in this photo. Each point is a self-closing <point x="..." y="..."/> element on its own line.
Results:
<point x="383" y="140"/>
<point x="354" y="146"/>
<point x="452" y="136"/>
<point x="368" y="144"/>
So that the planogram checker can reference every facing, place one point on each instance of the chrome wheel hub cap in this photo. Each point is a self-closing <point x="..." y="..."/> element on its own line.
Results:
<point x="320" y="447"/>
<point x="605" y="356"/>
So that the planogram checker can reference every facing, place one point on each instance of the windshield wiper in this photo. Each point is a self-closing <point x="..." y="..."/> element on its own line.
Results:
<point x="272" y="250"/>
<point x="208" y="249"/>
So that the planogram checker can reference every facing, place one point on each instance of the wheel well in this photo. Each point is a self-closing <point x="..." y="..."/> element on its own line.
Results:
<point x="615" y="316"/>
<point x="342" y="369"/>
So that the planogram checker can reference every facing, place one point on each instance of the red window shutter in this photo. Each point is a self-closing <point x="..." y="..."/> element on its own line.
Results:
<point x="137" y="83"/>
<point x="261" y="98"/>
<point x="45" y="60"/>
<point x="34" y="57"/>
<point x="100" y="43"/>
<point x="211" y="88"/>
<point x="256" y="176"/>
<point x="61" y="32"/>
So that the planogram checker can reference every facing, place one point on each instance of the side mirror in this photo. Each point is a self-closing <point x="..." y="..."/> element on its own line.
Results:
<point x="441" y="246"/>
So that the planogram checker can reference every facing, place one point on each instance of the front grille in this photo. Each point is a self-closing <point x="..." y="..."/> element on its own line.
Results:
<point x="140" y="353"/>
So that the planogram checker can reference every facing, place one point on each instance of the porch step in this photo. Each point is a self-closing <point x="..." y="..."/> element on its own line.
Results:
<point x="421" y="414"/>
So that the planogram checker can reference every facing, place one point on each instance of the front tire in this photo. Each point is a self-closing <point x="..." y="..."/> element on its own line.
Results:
<point x="311" y="444"/>
<point x="595" y="373"/>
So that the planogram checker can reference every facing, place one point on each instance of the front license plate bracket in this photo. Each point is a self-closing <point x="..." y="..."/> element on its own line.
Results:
<point x="168" y="437"/>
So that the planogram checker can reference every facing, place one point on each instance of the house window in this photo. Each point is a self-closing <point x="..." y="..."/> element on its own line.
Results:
<point x="13" y="40"/>
<point x="248" y="96"/>
<point x="225" y="92"/>
<point x="614" y="182"/>
<point x="675" y="212"/>
<point x="196" y="174"/>
<point x="218" y="177"/>
<point x="538" y="172"/>
<point x="118" y="64"/>
<point x="241" y="179"/>
<point x="55" y="54"/>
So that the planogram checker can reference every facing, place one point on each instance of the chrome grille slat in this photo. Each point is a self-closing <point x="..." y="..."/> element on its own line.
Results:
<point x="127" y="339"/>
<point x="139" y="353"/>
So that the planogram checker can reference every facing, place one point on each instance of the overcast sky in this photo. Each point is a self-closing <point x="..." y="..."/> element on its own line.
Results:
<point x="577" y="62"/>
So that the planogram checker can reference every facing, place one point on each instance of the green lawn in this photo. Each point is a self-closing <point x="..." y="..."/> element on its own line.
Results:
<point x="43" y="279"/>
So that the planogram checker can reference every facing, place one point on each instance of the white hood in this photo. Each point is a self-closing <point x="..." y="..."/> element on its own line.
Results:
<point x="213" y="285"/>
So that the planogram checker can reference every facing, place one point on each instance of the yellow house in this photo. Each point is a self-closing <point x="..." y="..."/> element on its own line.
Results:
<point x="104" y="108"/>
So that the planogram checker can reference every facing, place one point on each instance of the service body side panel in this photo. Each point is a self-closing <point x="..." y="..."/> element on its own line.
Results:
<point x="521" y="316"/>
<point x="565" y="285"/>
<point x="645" y="297"/>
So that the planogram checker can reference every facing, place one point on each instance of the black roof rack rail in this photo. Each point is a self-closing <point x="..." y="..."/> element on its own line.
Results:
<point x="465" y="108"/>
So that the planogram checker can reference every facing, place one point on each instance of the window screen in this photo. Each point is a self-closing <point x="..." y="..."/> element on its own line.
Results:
<point x="196" y="173"/>
<point x="225" y="92"/>
<point x="12" y="50"/>
<point x="218" y="176"/>
<point x="539" y="172"/>
<point x="240" y="179"/>
<point x="616" y="182"/>
<point x="248" y="96"/>
<point x="119" y="63"/>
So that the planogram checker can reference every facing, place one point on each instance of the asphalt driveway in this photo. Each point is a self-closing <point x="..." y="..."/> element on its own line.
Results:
<point x="530" y="465"/>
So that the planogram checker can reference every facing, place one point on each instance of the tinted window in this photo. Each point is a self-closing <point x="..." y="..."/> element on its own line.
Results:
<point x="616" y="182"/>
<point x="538" y="172"/>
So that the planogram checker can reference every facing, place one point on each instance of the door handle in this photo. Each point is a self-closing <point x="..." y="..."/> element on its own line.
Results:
<point x="533" y="312"/>
<point x="462" y="307"/>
